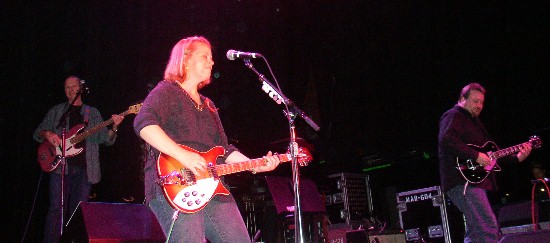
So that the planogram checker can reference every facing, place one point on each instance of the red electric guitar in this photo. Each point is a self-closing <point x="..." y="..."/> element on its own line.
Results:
<point x="189" y="193"/>
<point x="49" y="156"/>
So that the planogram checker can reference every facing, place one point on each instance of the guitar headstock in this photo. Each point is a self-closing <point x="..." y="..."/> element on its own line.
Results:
<point x="535" y="141"/>
<point x="304" y="157"/>
<point x="134" y="109"/>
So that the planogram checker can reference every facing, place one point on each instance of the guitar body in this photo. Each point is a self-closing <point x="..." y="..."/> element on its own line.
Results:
<point x="49" y="156"/>
<point x="471" y="170"/>
<point x="188" y="192"/>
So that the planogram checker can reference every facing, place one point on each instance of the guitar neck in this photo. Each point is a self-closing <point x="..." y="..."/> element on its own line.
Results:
<point x="78" y="138"/>
<point x="226" y="169"/>
<point x="507" y="151"/>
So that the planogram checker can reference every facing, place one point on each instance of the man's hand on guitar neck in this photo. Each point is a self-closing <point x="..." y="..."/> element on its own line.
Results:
<point x="488" y="164"/>
<point x="524" y="151"/>
<point x="117" y="119"/>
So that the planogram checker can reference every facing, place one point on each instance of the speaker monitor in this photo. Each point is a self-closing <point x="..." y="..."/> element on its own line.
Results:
<point x="337" y="234"/>
<point x="356" y="236"/>
<point x="112" y="222"/>
<point x="346" y="235"/>
<point x="513" y="214"/>
<point x="541" y="236"/>
<point x="387" y="238"/>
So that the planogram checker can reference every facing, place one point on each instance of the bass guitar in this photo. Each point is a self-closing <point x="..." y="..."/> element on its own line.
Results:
<point x="49" y="156"/>
<point x="475" y="173"/>
<point x="189" y="193"/>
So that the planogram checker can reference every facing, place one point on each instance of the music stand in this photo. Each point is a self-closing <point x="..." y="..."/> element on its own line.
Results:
<point x="281" y="189"/>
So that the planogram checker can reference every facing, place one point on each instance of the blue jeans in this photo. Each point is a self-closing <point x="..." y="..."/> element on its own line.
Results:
<point x="481" y="223"/>
<point x="77" y="188"/>
<point x="219" y="221"/>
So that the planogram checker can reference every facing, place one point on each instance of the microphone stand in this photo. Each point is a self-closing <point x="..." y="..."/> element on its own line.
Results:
<point x="62" y="123"/>
<point x="291" y="112"/>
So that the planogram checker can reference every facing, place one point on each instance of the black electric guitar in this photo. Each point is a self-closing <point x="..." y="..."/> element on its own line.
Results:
<point x="476" y="173"/>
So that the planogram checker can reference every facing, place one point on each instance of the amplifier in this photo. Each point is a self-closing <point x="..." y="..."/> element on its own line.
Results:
<point x="426" y="215"/>
<point x="349" y="201"/>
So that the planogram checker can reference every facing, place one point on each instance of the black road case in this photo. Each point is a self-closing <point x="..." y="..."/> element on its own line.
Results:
<point x="427" y="216"/>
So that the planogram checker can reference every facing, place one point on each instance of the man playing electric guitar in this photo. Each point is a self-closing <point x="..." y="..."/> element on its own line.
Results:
<point x="82" y="170"/>
<point x="459" y="128"/>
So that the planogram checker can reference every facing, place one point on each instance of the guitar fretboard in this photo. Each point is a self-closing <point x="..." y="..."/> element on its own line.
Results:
<point x="78" y="138"/>
<point x="225" y="169"/>
<point x="507" y="151"/>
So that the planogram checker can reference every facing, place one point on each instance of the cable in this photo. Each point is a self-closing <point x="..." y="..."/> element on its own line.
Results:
<point x="32" y="208"/>
<point x="174" y="218"/>
<point x="534" y="216"/>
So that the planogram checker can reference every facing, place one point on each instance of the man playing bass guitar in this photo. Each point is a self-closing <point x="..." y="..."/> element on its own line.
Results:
<point x="82" y="170"/>
<point x="459" y="128"/>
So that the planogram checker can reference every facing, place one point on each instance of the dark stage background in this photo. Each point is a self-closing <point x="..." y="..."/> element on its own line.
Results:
<point x="375" y="75"/>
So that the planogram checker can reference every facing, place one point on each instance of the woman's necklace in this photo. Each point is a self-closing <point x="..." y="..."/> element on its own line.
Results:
<point x="199" y="107"/>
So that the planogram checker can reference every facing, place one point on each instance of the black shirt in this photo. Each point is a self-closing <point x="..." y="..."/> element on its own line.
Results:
<point x="76" y="118"/>
<point x="457" y="128"/>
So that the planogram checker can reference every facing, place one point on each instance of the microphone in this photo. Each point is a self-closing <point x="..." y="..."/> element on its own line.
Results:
<point x="83" y="88"/>
<point x="540" y="180"/>
<point x="232" y="55"/>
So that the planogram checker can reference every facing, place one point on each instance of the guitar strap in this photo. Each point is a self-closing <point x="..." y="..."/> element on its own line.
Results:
<point x="86" y="115"/>
<point x="482" y="128"/>
<point x="216" y="120"/>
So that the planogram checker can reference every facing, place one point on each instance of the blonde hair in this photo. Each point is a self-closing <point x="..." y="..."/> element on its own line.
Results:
<point x="175" y="69"/>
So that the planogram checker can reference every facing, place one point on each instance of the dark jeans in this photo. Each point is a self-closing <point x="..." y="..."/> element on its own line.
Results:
<point x="77" y="188"/>
<point x="219" y="221"/>
<point x="481" y="223"/>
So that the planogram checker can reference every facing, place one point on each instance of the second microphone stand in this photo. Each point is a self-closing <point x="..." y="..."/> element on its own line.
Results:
<point x="62" y="123"/>
<point x="291" y="112"/>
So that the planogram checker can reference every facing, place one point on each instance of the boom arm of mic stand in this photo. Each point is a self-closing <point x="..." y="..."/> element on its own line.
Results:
<point x="63" y="119"/>
<point x="291" y="112"/>
<point x="279" y="97"/>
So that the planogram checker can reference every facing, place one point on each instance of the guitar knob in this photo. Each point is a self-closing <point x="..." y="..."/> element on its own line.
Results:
<point x="184" y="199"/>
<point x="198" y="201"/>
<point x="186" y="194"/>
<point x="189" y="203"/>
<point x="195" y="193"/>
